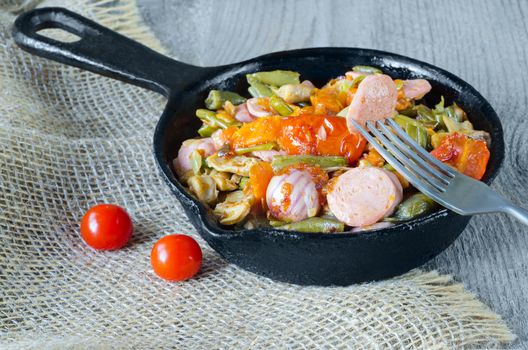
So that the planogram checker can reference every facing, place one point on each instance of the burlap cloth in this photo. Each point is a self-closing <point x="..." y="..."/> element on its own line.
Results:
<point x="70" y="139"/>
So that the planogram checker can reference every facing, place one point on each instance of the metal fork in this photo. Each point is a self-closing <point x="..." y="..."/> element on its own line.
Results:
<point x="450" y="188"/>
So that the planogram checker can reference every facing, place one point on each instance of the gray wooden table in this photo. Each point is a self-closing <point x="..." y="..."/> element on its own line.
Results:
<point x="483" y="42"/>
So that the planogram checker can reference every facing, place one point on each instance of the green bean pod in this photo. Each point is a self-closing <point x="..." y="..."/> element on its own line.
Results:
<point x="315" y="224"/>
<point x="196" y="161"/>
<point x="357" y="80"/>
<point x="426" y="117"/>
<point x="216" y="99"/>
<point x="280" y="162"/>
<point x="262" y="147"/>
<point x="414" y="206"/>
<point x="410" y="111"/>
<point x="210" y="118"/>
<point x="257" y="89"/>
<point x="280" y="106"/>
<point x="277" y="223"/>
<point x="243" y="182"/>
<point x="367" y="69"/>
<point x="413" y="128"/>
<point x="206" y="130"/>
<point x="275" y="78"/>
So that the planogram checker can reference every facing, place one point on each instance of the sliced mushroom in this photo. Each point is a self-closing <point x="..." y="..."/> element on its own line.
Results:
<point x="237" y="164"/>
<point x="234" y="209"/>
<point x="223" y="181"/>
<point x="204" y="188"/>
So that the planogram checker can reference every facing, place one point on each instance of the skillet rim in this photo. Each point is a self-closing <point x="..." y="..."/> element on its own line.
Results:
<point x="202" y="212"/>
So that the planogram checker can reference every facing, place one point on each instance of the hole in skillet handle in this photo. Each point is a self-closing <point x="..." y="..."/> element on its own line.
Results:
<point x="59" y="34"/>
<point x="54" y="26"/>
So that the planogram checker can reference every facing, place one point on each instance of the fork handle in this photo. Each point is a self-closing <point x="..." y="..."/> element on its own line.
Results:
<point x="520" y="213"/>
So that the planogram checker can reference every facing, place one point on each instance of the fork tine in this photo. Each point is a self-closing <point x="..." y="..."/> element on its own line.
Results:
<point x="408" y="151"/>
<point x="419" y="150"/>
<point x="412" y="178"/>
<point x="406" y="161"/>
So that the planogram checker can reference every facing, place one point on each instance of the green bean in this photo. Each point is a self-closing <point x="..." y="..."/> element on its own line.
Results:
<point x="210" y="118"/>
<point x="196" y="161"/>
<point x="439" y="107"/>
<point x="389" y="167"/>
<point x="413" y="128"/>
<point x="424" y="112"/>
<point x="344" y="85"/>
<point x="277" y="223"/>
<point x="315" y="225"/>
<point x="357" y="80"/>
<point x="459" y="112"/>
<point x="206" y="130"/>
<point x="426" y="116"/>
<point x="414" y="206"/>
<point x="456" y="113"/>
<point x="262" y="147"/>
<point x="216" y="99"/>
<point x="243" y="182"/>
<point x="410" y="111"/>
<point x="280" y="162"/>
<point x="276" y="77"/>
<point x="280" y="106"/>
<point x="367" y="69"/>
<point x="257" y="89"/>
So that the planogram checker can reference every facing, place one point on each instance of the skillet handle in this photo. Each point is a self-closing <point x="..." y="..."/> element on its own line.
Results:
<point x="100" y="50"/>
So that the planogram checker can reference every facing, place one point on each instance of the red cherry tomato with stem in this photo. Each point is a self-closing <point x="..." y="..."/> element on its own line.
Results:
<point x="106" y="227"/>
<point x="176" y="257"/>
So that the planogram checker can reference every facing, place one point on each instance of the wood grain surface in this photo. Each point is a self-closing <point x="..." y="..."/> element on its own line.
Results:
<point x="483" y="42"/>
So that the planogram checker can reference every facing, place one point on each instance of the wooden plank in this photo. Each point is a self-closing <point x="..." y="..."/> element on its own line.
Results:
<point x="484" y="42"/>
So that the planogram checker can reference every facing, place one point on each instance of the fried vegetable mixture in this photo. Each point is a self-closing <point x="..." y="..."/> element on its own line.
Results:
<point x="289" y="157"/>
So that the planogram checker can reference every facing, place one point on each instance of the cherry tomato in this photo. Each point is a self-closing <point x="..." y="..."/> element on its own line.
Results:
<point x="176" y="257"/>
<point x="106" y="227"/>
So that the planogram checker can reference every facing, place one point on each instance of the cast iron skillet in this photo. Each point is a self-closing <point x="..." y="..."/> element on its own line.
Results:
<point x="302" y="258"/>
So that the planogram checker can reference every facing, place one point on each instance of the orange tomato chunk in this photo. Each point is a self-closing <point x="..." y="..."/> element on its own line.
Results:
<point x="260" y="175"/>
<point x="468" y="156"/>
<point x="320" y="135"/>
<point x="259" y="131"/>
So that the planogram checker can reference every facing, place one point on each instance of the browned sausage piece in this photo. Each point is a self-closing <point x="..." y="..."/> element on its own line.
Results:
<point x="375" y="99"/>
<point x="363" y="196"/>
<point x="416" y="89"/>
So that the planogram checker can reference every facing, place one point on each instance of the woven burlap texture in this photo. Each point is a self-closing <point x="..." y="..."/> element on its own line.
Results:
<point x="70" y="139"/>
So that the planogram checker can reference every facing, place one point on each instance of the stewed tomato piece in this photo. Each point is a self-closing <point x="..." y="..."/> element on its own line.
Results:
<point x="260" y="175"/>
<point x="320" y="135"/>
<point x="468" y="156"/>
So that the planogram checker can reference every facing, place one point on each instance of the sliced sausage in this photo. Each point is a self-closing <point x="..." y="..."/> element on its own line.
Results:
<point x="293" y="196"/>
<point x="375" y="99"/>
<point x="242" y="113"/>
<point x="415" y="89"/>
<point x="353" y="75"/>
<point x="182" y="163"/>
<point x="257" y="110"/>
<point x="218" y="139"/>
<point x="363" y="196"/>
